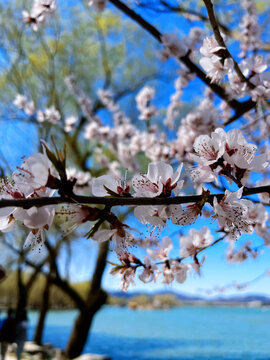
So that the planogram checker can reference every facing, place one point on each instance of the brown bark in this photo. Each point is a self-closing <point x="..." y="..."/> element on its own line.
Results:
<point x="44" y="307"/>
<point x="95" y="299"/>
<point x="24" y="288"/>
<point x="22" y="293"/>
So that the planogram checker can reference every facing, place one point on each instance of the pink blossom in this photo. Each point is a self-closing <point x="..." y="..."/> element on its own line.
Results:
<point x="209" y="149"/>
<point x="35" y="218"/>
<point x="232" y="214"/>
<point x="34" y="172"/>
<point x="180" y="270"/>
<point x="162" y="252"/>
<point x="144" y="96"/>
<point x="71" y="216"/>
<point x="159" y="179"/>
<point x="210" y="47"/>
<point x="167" y="273"/>
<point x="70" y="122"/>
<point x="119" y="235"/>
<point x="194" y="241"/>
<point x="150" y="272"/>
<point x="153" y="215"/>
<point x="187" y="215"/>
<point x="215" y="69"/>
<point x="173" y="45"/>
<point x="107" y="185"/>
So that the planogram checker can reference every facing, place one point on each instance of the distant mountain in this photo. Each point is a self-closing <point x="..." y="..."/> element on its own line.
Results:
<point x="194" y="298"/>
<point x="243" y="298"/>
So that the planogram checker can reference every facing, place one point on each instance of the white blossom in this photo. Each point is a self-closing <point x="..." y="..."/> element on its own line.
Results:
<point x="194" y="241"/>
<point x="70" y="122"/>
<point x="163" y="250"/>
<point x="106" y="185"/>
<point x="173" y="45"/>
<point x="232" y="214"/>
<point x="150" y="272"/>
<point x="159" y="178"/>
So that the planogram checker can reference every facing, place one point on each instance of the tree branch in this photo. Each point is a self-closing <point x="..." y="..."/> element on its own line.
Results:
<point x="234" y="104"/>
<point x="121" y="201"/>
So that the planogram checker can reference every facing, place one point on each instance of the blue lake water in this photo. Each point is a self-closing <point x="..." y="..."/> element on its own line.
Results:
<point x="185" y="333"/>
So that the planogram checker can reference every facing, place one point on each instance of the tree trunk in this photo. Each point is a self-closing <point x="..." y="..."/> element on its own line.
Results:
<point x="24" y="288"/>
<point x="83" y="323"/>
<point x="44" y="307"/>
<point x="22" y="292"/>
<point x="95" y="299"/>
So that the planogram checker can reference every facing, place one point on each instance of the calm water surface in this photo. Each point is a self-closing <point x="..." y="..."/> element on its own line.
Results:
<point x="186" y="333"/>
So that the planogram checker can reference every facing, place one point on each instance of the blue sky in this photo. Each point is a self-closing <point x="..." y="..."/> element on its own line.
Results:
<point x="18" y="139"/>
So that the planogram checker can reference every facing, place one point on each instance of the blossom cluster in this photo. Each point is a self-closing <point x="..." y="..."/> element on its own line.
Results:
<point x="221" y="154"/>
<point x="253" y="69"/>
<point x="31" y="181"/>
<point x="50" y="114"/>
<point x="211" y="61"/>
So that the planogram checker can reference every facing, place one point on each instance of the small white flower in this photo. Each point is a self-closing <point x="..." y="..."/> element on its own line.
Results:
<point x="185" y="216"/>
<point x="159" y="179"/>
<point x="179" y="270"/>
<point x="29" y="108"/>
<point x="36" y="218"/>
<point x="144" y="96"/>
<point x="52" y="115"/>
<point x="35" y="238"/>
<point x="232" y="214"/>
<point x="118" y="235"/>
<point x="106" y="185"/>
<point x="75" y="215"/>
<point x="40" y="116"/>
<point x="20" y="101"/>
<point x="194" y="241"/>
<point x="47" y="6"/>
<point x="70" y="122"/>
<point x="34" y="172"/>
<point x="174" y="46"/>
<point x="210" y="47"/>
<point x="150" y="272"/>
<point x="162" y="252"/>
<point x="153" y="215"/>
<point x="215" y="69"/>
<point x="209" y="149"/>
